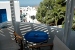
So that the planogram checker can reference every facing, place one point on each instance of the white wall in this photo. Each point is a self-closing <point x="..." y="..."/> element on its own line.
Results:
<point x="6" y="5"/>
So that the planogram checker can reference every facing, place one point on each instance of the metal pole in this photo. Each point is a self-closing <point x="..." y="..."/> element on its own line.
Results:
<point x="68" y="22"/>
<point x="13" y="14"/>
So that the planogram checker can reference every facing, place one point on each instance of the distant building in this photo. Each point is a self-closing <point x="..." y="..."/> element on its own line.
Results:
<point x="29" y="12"/>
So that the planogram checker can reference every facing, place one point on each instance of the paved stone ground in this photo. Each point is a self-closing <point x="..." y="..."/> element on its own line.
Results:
<point x="6" y="43"/>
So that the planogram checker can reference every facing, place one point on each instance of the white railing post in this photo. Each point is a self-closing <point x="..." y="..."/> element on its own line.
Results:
<point x="13" y="14"/>
<point x="68" y="22"/>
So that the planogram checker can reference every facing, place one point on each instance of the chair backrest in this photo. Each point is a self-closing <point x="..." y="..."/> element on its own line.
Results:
<point x="58" y="44"/>
<point x="15" y="34"/>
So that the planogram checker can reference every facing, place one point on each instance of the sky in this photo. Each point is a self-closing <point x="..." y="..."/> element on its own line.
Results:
<point x="28" y="2"/>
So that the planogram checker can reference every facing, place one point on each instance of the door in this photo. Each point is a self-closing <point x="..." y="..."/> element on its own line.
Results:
<point x="3" y="15"/>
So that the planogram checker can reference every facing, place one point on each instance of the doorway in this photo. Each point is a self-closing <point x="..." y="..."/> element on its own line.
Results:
<point x="3" y="15"/>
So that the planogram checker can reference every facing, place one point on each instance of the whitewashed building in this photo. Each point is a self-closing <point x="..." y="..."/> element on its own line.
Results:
<point x="6" y="5"/>
<point x="5" y="12"/>
<point x="29" y="11"/>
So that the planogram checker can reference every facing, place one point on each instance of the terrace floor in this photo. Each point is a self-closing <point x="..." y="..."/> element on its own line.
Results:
<point x="6" y="42"/>
<point x="7" y="39"/>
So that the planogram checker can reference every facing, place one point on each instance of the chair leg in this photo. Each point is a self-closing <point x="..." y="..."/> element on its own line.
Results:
<point x="38" y="48"/>
<point x="51" y="47"/>
<point x="21" y="45"/>
<point x="32" y="48"/>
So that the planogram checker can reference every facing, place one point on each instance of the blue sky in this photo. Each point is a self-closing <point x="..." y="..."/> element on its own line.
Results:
<point x="28" y="2"/>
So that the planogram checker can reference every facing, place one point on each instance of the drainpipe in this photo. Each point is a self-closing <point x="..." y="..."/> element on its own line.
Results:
<point x="68" y="22"/>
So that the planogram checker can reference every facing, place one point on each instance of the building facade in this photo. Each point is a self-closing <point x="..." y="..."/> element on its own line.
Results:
<point x="28" y="14"/>
<point x="6" y="5"/>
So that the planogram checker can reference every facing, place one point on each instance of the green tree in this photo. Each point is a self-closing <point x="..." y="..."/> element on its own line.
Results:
<point x="43" y="9"/>
<point x="33" y="17"/>
<point x="73" y="24"/>
<point x="58" y="11"/>
<point x="50" y="11"/>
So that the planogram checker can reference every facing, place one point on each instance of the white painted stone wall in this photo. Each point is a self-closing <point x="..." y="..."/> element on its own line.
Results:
<point x="6" y="5"/>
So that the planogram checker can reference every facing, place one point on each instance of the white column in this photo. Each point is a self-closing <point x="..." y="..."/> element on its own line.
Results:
<point x="68" y="22"/>
<point x="13" y="14"/>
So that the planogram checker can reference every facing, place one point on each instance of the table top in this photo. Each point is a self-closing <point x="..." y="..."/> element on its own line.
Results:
<point x="36" y="36"/>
